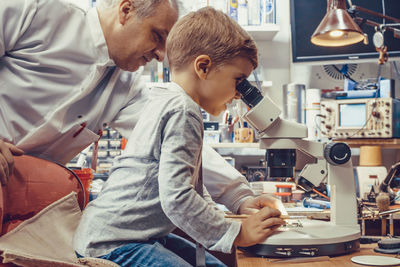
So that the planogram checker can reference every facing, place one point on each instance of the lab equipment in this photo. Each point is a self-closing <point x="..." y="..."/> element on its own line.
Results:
<point x="313" y="110"/>
<point x="332" y="164"/>
<point x="294" y="102"/>
<point x="367" y="177"/>
<point x="315" y="203"/>
<point x="361" y="118"/>
<point x="284" y="192"/>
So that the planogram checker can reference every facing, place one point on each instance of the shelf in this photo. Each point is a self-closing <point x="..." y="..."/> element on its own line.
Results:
<point x="384" y="143"/>
<point x="266" y="84"/>
<point x="265" y="32"/>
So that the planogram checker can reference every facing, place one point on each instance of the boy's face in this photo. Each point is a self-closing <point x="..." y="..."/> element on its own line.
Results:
<point x="220" y="85"/>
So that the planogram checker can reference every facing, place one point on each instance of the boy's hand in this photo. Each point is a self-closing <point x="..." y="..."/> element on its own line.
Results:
<point x="7" y="151"/>
<point x="258" y="227"/>
<point x="254" y="204"/>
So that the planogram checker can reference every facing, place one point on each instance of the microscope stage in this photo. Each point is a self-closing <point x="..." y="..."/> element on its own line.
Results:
<point x="309" y="238"/>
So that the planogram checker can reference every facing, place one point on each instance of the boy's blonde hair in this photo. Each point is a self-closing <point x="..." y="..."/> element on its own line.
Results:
<point x="208" y="32"/>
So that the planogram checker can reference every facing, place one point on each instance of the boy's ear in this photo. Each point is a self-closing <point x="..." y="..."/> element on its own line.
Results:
<point x="202" y="65"/>
<point x="125" y="11"/>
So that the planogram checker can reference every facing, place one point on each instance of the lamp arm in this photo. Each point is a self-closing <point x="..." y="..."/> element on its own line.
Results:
<point x="373" y="13"/>
<point x="375" y="24"/>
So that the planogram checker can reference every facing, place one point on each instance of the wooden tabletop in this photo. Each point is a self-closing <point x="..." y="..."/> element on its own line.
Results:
<point x="382" y="142"/>
<point x="247" y="260"/>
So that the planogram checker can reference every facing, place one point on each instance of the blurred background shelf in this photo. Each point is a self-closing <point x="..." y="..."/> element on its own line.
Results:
<point x="393" y="143"/>
<point x="238" y="149"/>
<point x="265" y="32"/>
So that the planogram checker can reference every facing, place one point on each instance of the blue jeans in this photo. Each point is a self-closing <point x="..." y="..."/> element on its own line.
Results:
<point x="171" y="250"/>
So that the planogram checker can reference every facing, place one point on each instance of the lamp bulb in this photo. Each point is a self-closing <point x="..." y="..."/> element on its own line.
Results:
<point x="336" y="33"/>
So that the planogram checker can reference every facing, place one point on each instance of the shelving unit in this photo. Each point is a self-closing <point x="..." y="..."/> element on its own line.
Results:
<point x="238" y="149"/>
<point x="264" y="32"/>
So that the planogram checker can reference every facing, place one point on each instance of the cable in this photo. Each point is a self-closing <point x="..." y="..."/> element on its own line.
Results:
<point x="322" y="195"/>
<point x="379" y="73"/>
<point x="396" y="69"/>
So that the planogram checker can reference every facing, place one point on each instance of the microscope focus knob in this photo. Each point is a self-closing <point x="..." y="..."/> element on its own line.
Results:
<point x="337" y="153"/>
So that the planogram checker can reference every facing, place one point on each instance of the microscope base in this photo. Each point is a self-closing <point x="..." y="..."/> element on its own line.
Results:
<point x="314" y="238"/>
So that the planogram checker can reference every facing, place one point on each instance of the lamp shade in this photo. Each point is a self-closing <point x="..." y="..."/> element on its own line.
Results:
<point x="337" y="28"/>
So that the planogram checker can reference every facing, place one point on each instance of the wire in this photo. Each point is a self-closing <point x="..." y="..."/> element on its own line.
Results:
<point x="379" y="73"/>
<point x="322" y="195"/>
<point x="318" y="124"/>
<point x="396" y="69"/>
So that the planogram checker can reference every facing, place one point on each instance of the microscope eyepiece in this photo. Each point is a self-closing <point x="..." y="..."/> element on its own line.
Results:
<point x="250" y="94"/>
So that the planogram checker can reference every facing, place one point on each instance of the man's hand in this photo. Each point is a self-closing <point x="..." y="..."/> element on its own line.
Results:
<point x="257" y="227"/>
<point x="7" y="151"/>
<point x="255" y="204"/>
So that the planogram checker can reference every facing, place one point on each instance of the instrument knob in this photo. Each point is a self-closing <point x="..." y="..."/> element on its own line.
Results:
<point x="376" y="114"/>
<point x="337" y="153"/>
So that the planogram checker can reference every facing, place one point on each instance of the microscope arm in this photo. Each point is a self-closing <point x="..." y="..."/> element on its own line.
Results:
<point x="314" y="173"/>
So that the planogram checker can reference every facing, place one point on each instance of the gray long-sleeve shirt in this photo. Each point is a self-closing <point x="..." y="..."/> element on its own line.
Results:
<point x="150" y="190"/>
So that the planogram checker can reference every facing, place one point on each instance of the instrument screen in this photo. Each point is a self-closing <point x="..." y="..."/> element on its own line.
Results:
<point x="352" y="115"/>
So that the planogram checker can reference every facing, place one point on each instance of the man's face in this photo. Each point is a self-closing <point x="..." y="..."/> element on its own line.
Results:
<point x="221" y="84"/>
<point x="139" y="40"/>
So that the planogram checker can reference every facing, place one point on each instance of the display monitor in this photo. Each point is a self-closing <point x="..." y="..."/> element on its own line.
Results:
<point x="305" y="16"/>
<point x="352" y="115"/>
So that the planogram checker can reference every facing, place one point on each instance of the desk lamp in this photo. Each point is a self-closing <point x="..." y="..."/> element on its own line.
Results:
<point x="340" y="27"/>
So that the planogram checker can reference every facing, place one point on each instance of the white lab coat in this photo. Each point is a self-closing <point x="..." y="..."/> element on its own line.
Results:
<point x="56" y="74"/>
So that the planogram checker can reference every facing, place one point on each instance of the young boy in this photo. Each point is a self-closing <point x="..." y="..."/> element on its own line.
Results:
<point x="155" y="185"/>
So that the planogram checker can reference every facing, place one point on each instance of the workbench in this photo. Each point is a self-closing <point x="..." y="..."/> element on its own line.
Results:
<point x="247" y="260"/>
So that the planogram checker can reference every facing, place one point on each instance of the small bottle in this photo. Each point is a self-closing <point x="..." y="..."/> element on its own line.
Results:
<point x="160" y="72"/>
<point x="243" y="16"/>
<point x="255" y="11"/>
<point x="233" y="9"/>
<point x="269" y="12"/>
<point x="244" y="135"/>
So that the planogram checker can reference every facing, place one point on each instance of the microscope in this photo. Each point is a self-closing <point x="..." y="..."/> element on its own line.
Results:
<point x="332" y="163"/>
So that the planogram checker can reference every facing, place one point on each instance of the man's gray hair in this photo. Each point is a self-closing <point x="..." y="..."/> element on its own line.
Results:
<point x="144" y="8"/>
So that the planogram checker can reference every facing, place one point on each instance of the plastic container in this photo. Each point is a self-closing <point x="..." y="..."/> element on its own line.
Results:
<point x="244" y="135"/>
<point x="86" y="177"/>
<point x="315" y="203"/>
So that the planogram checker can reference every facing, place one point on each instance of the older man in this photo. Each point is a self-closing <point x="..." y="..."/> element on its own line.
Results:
<point x="66" y="73"/>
